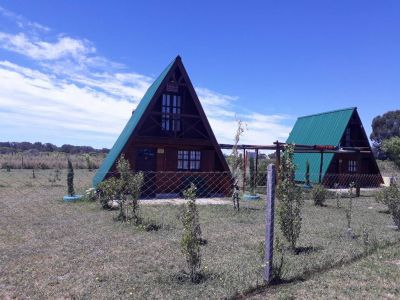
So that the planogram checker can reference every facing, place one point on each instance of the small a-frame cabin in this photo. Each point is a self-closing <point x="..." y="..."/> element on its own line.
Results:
<point x="169" y="138"/>
<point x="341" y="128"/>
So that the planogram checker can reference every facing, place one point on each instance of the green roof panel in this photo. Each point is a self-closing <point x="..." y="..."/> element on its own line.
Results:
<point x="319" y="129"/>
<point x="119" y="145"/>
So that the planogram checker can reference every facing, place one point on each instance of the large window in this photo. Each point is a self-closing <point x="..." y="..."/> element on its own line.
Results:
<point x="189" y="160"/>
<point x="352" y="166"/>
<point x="171" y="110"/>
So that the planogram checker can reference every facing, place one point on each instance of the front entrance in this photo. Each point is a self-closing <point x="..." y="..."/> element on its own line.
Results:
<point x="146" y="161"/>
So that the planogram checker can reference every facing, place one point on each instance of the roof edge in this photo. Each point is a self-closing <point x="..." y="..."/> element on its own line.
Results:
<point x="328" y="112"/>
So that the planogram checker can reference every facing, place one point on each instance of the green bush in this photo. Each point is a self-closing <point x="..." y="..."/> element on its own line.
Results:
<point x="125" y="189"/>
<point x="390" y="196"/>
<point x="191" y="237"/>
<point x="107" y="191"/>
<point x="319" y="194"/>
<point x="392" y="148"/>
<point x="290" y="199"/>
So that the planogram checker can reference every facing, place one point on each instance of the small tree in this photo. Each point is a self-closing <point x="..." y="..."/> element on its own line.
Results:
<point x="125" y="188"/>
<point x="338" y="195"/>
<point x="349" y="209"/>
<point x="235" y="164"/>
<point x="70" y="179"/>
<point x="190" y="243"/>
<point x="129" y="186"/>
<point x="390" y="196"/>
<point x="290" y="199"/>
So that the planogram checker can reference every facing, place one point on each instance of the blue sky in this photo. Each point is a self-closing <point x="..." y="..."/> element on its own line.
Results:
<point x="72" y="71"/>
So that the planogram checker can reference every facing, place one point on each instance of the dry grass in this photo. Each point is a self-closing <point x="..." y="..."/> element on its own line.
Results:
<point x="51" y="249"/>
<point x="48" y="160"/>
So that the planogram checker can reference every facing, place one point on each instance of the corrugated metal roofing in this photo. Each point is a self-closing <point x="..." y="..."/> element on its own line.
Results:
<point x="319" y="129"/>
<point x="119" y="145"/>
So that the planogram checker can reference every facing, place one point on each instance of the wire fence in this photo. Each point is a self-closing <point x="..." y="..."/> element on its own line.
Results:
<point x="232" y="262"/>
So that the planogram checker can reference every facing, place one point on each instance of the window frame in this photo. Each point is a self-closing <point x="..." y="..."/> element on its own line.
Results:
<point x="352" y="166"/>
<point x="171" y="109"/>
<point x="189" y="160"/>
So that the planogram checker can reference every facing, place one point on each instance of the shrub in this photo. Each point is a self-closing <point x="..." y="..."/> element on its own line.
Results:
<point x="390" y="196"/>
<point x="191" y="237"/>
<point x="90" y="194"/>
<point x="290" y="199"/>
<point x="318" y="194"/>
<point x="126" y="189"/>
<point x="129" y="185"/>
<point x="107" y="191"/>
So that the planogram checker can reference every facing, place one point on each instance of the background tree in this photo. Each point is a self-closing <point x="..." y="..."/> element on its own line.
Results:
<point x="392" y="149"/>
<point x="385" y="127"/>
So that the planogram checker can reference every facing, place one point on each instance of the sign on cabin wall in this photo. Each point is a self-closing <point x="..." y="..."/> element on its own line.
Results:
<point x="172" y="86"/>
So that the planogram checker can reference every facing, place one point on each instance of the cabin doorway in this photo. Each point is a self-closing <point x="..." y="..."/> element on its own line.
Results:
<point x="146" y="161"/>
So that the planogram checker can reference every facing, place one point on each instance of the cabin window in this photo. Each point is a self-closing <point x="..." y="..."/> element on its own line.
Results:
<point x="352" y="166"/>
<point x="171" y="110"/>
<point x="189" y="160"/>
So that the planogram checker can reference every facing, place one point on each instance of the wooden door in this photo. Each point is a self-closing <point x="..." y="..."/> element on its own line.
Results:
<point x="146" y="161"/>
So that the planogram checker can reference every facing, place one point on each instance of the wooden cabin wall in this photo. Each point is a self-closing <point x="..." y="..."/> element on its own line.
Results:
<point x="340" y="161"/>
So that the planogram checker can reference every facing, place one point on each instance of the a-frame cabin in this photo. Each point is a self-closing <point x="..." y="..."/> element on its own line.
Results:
<point x="169" y="138"/>
<point x="341" y="128"/>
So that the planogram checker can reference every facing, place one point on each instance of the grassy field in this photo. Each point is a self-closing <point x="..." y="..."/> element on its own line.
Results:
<point x="51" y="249"/>
<point x="373" y="277"/>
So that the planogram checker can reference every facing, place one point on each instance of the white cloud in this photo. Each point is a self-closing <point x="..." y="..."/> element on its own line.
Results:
<point x="41" y="50"/>
<point x="73" y="95"/>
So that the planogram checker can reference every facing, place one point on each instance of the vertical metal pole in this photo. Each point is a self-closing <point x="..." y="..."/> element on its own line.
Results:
<point x="320" y="166"/>
<point x="269" y="223"/>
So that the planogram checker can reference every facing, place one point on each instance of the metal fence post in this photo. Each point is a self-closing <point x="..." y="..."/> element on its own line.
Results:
<point x="269" y="223"/>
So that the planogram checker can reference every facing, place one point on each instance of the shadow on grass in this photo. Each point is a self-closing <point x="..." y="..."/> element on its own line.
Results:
<point x="386" y="211"/>
<point x="307" y="274"/>
<point x="307" y="250"/>
<point x="183" y="277"/>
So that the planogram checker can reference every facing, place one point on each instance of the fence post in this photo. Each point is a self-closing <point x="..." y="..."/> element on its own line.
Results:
<point x="269" y="223"/>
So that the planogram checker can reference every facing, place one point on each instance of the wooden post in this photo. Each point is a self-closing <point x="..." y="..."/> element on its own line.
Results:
<point x="277" y="157"/>
<point x="320" y="166"/>
<point x="255" y="177"/>
<point x="269" y="224"/>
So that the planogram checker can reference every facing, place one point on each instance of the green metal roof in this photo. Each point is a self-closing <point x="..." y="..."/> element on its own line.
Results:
<point x="319" y="129"/>
<point x="119" y="145"/>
